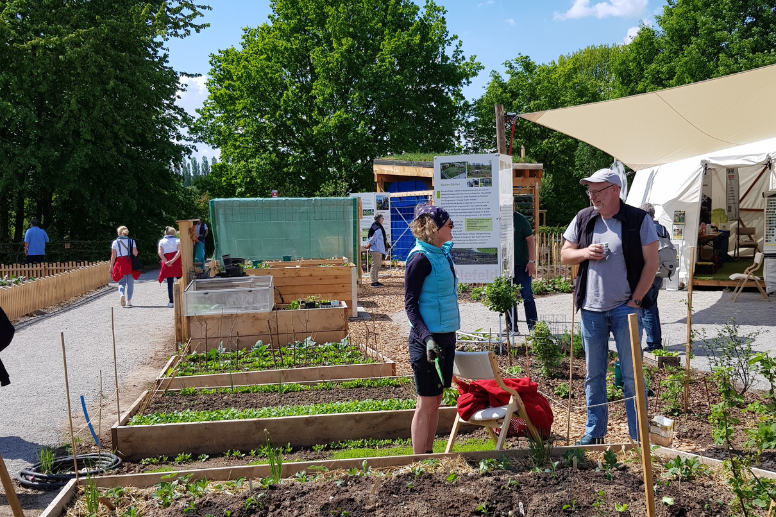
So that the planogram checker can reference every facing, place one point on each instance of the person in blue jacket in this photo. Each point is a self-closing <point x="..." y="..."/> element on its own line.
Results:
<point x="431" y="303"/>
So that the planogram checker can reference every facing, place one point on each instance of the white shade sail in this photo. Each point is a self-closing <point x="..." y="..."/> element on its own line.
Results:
<point x="673" y="124"/>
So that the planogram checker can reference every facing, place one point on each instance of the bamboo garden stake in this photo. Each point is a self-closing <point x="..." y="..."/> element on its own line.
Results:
<point x="571" y="357"/>
<point x="115" y="368"/>
<point x="688" y="346"/>
<point x="69" y="414"/>
<point x="641" y="413"/>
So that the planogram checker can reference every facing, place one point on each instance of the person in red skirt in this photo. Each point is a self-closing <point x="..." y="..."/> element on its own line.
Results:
<point x="121" y="265"/>
<point x="170" y="252"/>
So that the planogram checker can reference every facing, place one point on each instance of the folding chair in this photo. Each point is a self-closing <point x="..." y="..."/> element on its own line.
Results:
<point x="747" y="275"/>
<point x="746" y="238"/>
<point x="479" y="366"/>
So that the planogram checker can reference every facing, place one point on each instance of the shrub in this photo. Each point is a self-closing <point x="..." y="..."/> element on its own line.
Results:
<point x="544" y="348"/>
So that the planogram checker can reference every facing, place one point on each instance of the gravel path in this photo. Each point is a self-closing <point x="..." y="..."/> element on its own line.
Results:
<point x="33" y="411"/>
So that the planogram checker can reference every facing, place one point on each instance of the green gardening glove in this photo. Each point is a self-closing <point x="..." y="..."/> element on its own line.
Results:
<point x="432" y="350"/>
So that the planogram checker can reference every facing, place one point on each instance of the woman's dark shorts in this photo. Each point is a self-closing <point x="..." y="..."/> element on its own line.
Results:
<point x="427" y="382"/>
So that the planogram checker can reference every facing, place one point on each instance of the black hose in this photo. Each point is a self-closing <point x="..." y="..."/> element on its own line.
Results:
<point x="88" y="465"/>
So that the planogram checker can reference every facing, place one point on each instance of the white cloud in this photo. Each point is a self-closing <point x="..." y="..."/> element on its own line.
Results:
<point x="510" y="21"/>
<point x="489" y="2"/>
<point x="195" y="92"/>
<point x="631" y="34"/>
<point x="617" y="8"/>
<point x="192" y="99"/>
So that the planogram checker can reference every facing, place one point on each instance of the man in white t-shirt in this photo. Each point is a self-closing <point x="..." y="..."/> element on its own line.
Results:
<point x="615" y="246"/>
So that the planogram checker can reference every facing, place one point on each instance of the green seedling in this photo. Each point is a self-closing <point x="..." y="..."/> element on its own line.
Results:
<point x="684" y="469"/>
<point x="452" y="477"/>
<point x="570" y="507"/>
<point x="483" y="508"/>
<point x="202" y="457"/>
<point x="183" y="458"/>
<point x="621" y="508"/>
<point x="487" y="465"/>
<point x="46" y="458"/>
<point x="92" y="497"/>
<point x="562" y="390"/>
<point x="569" y="456"/>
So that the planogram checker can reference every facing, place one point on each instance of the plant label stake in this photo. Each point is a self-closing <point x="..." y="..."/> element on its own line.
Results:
<point x="641" y="413"/>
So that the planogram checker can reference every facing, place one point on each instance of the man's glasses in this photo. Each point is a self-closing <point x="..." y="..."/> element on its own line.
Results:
<point x="595" y="193"/>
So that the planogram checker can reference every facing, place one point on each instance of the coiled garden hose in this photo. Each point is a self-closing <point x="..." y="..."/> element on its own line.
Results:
<point x="88" y="465"/>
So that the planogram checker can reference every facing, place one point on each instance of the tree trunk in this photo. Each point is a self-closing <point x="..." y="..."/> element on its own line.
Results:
<point x="18" y="225"/>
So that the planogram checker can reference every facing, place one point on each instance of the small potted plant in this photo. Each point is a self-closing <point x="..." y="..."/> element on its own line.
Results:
<point x="325" y="304"/>
<point x="312" y="302"/>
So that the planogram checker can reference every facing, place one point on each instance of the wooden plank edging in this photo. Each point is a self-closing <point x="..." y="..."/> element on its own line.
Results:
<point x="62" y="500"/>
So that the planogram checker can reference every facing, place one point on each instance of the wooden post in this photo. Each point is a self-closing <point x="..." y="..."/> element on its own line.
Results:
<point x="571" y="366"/>
<point x="641" y="412"/>
<point x="10" y="493"/>
<point x="688" y="345"/>
<point x="186" y="229"/>
<point x="69" y="413"/>
<point x="177" y="296"/>
<point x="501" y="137"/>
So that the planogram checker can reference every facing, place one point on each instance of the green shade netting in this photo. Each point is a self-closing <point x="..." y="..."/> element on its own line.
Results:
<point x="270" y="228"/>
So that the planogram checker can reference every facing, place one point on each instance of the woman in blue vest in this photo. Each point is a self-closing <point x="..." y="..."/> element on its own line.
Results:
<point x="431" y="302"/>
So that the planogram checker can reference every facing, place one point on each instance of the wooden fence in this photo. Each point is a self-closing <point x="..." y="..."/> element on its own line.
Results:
<point x="21" y="299"/>
<point x="548" y="246"/>
<point x="41" y="270"/>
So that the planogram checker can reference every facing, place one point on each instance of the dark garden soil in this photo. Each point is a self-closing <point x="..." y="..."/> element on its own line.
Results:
<point x="540" y="494"/>
<point x="170" y="402"/>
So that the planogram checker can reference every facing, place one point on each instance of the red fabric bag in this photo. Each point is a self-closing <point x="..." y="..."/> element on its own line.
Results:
<point x="175" y="271"/>
<point x="482" y="394"/>
<point x="123" y="266"/>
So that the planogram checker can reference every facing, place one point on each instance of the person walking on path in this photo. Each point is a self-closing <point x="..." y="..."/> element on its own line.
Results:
<point x="121" y="265"/>
<point x="377" y="246"/>
<point x="169" y="250"/>
<point x="650" y="316"/>
<point x="35" y="239"/>
<point x="616" y="247"/>
<point x="525" y="267"/>
<point x="431" y="304"/>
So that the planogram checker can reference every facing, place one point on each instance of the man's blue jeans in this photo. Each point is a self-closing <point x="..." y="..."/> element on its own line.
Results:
<point x="596" y="327"/>
<point x="650" y="318"/>
<point x="523" y="279"/>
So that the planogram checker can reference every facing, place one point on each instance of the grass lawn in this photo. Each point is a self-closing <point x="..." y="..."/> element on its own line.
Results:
<point x="727" y="269"/>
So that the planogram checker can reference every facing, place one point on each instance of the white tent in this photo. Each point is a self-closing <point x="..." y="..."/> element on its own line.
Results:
<point x="677" y="187"/>
<point x="664" y="126"/>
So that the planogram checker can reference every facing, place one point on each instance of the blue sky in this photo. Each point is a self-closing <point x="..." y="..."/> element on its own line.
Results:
<point x="493" y="30"/>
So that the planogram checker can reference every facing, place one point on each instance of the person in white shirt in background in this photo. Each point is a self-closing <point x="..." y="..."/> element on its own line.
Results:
<point x="121" y="265"/>
<point x="169" y="251"/>
<point x="376" y="245"/>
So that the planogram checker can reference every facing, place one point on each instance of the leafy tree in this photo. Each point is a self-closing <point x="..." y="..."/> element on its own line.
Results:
<point x="88" y="122"/>
<point x="582" y="77"/>
<point x="314" y="95"/>
<point x="698" y="40"/>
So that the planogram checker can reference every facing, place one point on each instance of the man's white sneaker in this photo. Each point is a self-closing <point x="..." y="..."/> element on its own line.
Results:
<point x="123" y="301"/>
<point x="170" y="305"/>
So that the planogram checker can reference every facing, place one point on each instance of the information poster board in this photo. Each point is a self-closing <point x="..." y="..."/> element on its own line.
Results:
<point x="374" y="203"/>
<point x="470" y="188"/>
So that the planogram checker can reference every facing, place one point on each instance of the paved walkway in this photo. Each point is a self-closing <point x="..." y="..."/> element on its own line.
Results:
<point x="33" y="408"/>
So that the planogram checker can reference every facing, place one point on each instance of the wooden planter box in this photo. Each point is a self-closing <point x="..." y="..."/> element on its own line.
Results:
<point x="133" y="443"/>
<point x="386" y="368"/>
<point x="18" y="300"/>
<point x="662" y="361"/>
<point x="273" y="328"/>
<point x="335" y="282"/>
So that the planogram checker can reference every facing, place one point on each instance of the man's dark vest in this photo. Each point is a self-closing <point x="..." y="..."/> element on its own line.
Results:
<point x="631" y="219"/>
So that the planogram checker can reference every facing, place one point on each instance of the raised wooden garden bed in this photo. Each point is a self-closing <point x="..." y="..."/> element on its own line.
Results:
<point x="136" y="442"/>
<point x="20" y="299"/>
<point x="276" y="327"/>
<point x="327" y="281"/>
<point x="384" y="368"/>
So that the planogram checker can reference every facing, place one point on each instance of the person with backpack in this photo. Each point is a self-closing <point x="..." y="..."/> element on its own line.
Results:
<point x="650" y="316"/>
<point x="121" y="265"/>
